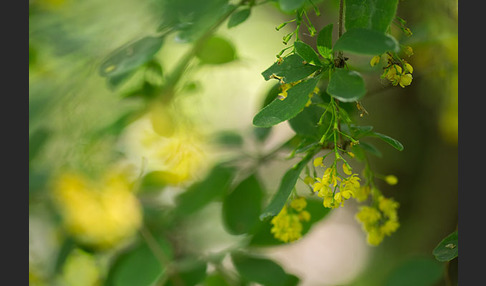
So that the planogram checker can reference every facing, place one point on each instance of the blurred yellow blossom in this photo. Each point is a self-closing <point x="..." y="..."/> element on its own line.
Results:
<point x="287" y="224"/>
<point x="98" y="213"/>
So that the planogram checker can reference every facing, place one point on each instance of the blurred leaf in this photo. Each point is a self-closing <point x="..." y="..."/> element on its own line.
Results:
<point x="154" y="181"/>
<point x="130" y="56"/>
<point x="242" y="206"/>
<point x="138" y="266"/>
<point x="305" y="123"/>
<point x="261" y="270"/>
<point x="291" y="69"/>
<point x="189" y="275"/>
<point x="201" y="193"/>
<point x="280" y="110"/>
<point x="228" y="138"/>
<point x="216" y="50"/>
<point x="215" y="279"/>
<point x="393" y="142"/>
<point x="36" y="141"/>
<point x="307" y="53"/>
<point x="370" y="14"/>
<point x="324" y="41"/>
<point x="417" y="272"/>
<point x="360" y="131"/>
<point x="262" y="133"/>
<point x="67" y="246"/>
<point x="263" y="237"/>
<point x="368" y="147"/>
<point x="239" y="17"/>
<point x="290" y="5"/>
<point x="37" y="181"/>
<point x="447" y="249"/>
<point x="285" y="188"/>
<point x="366" y="42"/>
<point x="346" y="86"/>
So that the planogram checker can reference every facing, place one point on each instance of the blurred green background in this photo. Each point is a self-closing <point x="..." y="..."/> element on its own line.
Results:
<point x="72" y="111"/>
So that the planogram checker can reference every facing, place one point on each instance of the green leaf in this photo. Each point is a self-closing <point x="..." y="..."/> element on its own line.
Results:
<point x="285" y="188"/>
<point x="305" y="123"/>
<point x="261" y="270"/>
<point x="130" y="56"/>
<point x="307" y="53"/>
<point x="215" y="279"/>
<point x="242" y="206"/>
<point x="368" y="147"/>
<point x="393" y="142"/>
<point x="290" y="5"/>
<point x="280" y="110"/>
<point x="263" y="236"/>
<point x="291" y="69"/>
<point x="154" y="181"/>
<point x="239" y="17"/>
<point x="346" y="86"/>
<point x="216" y="50"/>
<point x="370" y="14"/>
<point x="447" y="249"/>
<point x="138" y="266"/>
<point x="324" y="41"/>
<point x="228" y="138"/>
<point x="189" y="274"/>
<point x="416" y="271"/>
<point x="366" y="42"/>
<point x="201" y="193"/>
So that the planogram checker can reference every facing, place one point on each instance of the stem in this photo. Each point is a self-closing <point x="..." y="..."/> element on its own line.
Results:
<point x="340" y="24"/>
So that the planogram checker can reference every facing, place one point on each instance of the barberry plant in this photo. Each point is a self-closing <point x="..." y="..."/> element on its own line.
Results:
<point x="112" y="216"/>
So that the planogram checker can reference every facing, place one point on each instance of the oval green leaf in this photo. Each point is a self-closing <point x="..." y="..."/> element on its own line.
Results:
<point x="370" y="14"/>
<point x="366" y="42"/>
<point x="290" y="5"/>
<point x="346" y="86"/>
<point x="203" y="192"/>
<point x="138" y="266"/>
<point x="447" y="249"/>
<point x="324" y="41"/>
<point x="393" y="142"/>
<point x="307" y="53"/>
<point x="242" y="206"/>
<point x="261" y="270"/>
<point x="291" y="69"/>
<point x="285" y="188"/>
<point x="239" y="17"/>
<point x="130" y="56"/>
<point x="216" y="50"/>
<point x="280" y="110"/>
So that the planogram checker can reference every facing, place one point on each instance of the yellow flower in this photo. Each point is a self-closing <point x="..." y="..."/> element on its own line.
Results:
<point x="318" y="162"/>
<point x="374" y="61"/>
<point x="393" y="74"/>
<point x="286" y="226"/>
<point x="368" y="215"/>
<point x="408" y="50"/>
<point x="328" y="199"/>
<point x="304" y="216"/>
<point x="309" y="180"/>
<point x="346" y="169"/>
<point x="408" y="68"/>
<point x="98" y="213"/>
<point x="375" y="236"/>
<point x="391" y="180"/>
<point x="388" y="206"/>
<point x="362" y="193"/>
<point x="406" y="80"/>
<point x="389" y="227"/>
<point x="298" y="204"/>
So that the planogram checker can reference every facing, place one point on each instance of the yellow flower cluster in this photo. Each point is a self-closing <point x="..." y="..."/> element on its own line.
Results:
<point x="396" y="75"/>
<point x="397" y="72"/>
<point x="326" y="187"/>
<point x="287" y="225"/>
<point x="100" y="214"/>
<point x="380" y="220"/>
